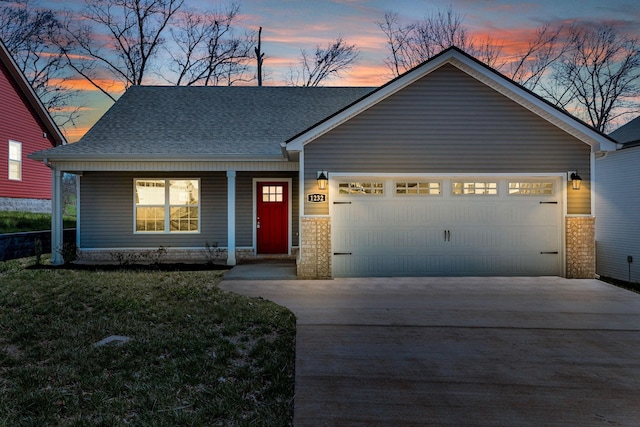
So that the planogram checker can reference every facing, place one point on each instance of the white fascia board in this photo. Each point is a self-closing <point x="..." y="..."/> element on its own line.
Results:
<point x="30" y="93"/>
<point x="187" y="165"/>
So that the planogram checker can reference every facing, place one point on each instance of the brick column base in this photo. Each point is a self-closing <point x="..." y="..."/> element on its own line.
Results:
<point x="315" y="248"/>
<point x="581" y="247"/>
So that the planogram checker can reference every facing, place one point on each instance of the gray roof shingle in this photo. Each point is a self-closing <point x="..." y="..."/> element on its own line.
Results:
<point x="197" y="122"/>
<point x="627" y="133"/>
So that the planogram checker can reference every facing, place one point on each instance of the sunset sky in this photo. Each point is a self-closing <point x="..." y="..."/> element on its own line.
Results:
<point x="291" y="25"/>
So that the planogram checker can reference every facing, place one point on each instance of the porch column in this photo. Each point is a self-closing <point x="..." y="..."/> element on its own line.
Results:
<point x="231" y="217"/>
<point x="78" y="210"/>
<point x="56" y="217"/>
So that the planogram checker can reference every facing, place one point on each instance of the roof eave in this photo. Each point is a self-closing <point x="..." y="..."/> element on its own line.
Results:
<point x="53" y="157"/>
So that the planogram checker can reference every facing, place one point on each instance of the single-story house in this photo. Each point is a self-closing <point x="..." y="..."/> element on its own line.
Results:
<point x="448" y="169"/>
<point x="618" y="207"/>
<point x="25" y="127"/>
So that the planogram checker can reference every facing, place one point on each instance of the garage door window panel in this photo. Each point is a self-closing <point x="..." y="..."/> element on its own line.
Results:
<point x="470" y="188"/>
<point x="418" y="188"/>
<point x="530" y="188"/>
<point x="361" y="188"/>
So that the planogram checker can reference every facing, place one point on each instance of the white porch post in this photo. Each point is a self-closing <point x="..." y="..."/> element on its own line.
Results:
<point x="78" y="210"/>
<point x="231" y="217"/>
<point x="56" y="217"/>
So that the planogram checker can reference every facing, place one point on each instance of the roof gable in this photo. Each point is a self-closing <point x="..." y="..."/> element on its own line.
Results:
<point x="29" y="94"/>
<point x="480" y="72"/>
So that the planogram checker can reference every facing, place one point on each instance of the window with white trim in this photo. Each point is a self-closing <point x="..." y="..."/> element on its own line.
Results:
<point x="422" y="188"/>
<point x="15" y="160"/>
<point x="367" y="188"/>
<point x="167" y="205"/>
<point x="530" y="188"/>
<point x="475" y="188"/>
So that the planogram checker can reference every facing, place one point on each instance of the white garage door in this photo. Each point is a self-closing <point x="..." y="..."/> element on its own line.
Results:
<point x="446" y="227"/>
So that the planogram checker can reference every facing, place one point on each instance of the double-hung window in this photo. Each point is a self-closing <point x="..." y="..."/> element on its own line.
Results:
<point x="15" y="160"/>
<point x="167" y="205"/>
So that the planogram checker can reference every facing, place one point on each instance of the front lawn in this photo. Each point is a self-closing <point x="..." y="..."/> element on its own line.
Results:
<point x="197" y="355"/>
<point x="16" y="222"/>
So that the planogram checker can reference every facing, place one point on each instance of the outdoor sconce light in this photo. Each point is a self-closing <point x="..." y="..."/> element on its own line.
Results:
<point x="575" y="180"/>
<point x="323" y="180"/>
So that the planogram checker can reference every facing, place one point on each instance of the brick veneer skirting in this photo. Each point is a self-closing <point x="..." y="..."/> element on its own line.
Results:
<point x="581" y="247"/>
<point x="315" y="249"/>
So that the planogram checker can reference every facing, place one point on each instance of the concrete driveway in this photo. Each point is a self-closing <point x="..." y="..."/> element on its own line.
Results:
<point x="461" y="351"/>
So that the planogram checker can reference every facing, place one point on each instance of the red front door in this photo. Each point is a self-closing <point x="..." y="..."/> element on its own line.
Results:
<point x="272" y="220"/>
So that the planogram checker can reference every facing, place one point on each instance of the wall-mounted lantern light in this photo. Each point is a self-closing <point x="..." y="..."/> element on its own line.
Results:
<point x="323" y="180"/>
<point x="575" y="180"/>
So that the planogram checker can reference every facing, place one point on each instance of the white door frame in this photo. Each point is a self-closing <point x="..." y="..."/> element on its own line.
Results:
<point x="254" y="193"/>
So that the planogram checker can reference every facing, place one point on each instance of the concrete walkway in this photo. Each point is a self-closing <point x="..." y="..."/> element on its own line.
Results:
<point x="461" y="351"/>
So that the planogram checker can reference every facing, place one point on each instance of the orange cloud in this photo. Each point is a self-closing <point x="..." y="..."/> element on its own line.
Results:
<point x="74" y="134"/>
<point x="85" y="86"/>
<point x="365" y="75"/>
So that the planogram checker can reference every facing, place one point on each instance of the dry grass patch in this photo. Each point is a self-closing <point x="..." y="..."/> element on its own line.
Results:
<point x="197" y="355"/>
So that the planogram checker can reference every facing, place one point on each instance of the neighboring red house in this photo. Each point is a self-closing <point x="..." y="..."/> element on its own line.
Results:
<point x="25" y="127"/>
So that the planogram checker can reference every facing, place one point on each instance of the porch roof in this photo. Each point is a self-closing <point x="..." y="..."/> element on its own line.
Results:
<point x="204" y="123"/>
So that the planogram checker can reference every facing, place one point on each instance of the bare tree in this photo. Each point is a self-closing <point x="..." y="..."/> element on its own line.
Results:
<point x="533" y="63"/>
<point x="401" y="56"/>
<point x="597" y="78"/>
<point x="410" y="45"/>
<point x="124" y="39"/>
<point x="259" y="57"/>
<point x="208" y="53"/>
<point x="30" y="34"/>
<point x="324" y="63"/>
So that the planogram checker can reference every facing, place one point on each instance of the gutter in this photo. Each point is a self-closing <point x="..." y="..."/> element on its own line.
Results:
<point x="163" y="157"/>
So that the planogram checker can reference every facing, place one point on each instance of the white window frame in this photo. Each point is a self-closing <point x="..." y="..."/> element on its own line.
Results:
<point x="14" y="161"/>
<point x="167" y="207"/>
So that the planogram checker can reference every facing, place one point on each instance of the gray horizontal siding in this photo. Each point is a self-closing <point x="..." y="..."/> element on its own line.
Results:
<point x="106" y="208"/>
<point x="448" y="122"/>
<point x="618" y="214"/>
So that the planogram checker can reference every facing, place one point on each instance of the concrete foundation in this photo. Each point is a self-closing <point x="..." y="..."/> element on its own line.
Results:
<point x="10" y="204"/>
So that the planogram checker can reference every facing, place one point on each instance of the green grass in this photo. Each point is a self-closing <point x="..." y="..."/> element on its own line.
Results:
<point x="15" y="222"/>
<point x="197" y="356"/>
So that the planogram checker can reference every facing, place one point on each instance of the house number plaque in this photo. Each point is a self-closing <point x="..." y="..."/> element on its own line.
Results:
<point x="316" y="198"/>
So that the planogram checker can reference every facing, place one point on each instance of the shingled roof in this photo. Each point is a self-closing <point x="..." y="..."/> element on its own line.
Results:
<point x="628" y="133"/>
<point x="211" y="122"/>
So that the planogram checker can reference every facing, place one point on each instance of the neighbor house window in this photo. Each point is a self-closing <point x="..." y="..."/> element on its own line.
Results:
<point x="528" y="188"/>
<point x="361" y="188"/>
<point x="15" y="160"/>
<point x="167" y="205"/>
<point x="475" y="188"/>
